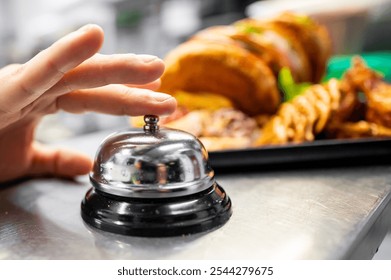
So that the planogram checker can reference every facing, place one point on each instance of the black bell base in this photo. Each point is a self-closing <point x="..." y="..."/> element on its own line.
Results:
<point x="161" y="217"/>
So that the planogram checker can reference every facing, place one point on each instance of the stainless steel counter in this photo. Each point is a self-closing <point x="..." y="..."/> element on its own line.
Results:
<point x="333" y="213"/>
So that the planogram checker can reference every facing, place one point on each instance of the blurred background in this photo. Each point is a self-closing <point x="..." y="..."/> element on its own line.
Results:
<point x="156" y="26"/>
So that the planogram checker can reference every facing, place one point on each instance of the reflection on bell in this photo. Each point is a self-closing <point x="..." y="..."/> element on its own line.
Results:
<point x="154" y="182"/>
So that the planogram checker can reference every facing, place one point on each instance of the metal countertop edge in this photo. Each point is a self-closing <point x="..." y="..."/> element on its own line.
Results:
<point x="365" y="244"/>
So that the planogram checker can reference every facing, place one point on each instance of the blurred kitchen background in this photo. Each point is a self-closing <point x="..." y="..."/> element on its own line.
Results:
<point x="156" y="26"/>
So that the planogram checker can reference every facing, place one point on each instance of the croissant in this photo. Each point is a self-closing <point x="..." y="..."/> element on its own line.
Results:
<point x="242" y="61"/>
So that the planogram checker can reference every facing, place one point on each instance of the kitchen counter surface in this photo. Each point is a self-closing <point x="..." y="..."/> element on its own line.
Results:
<point x="321" y="213"/>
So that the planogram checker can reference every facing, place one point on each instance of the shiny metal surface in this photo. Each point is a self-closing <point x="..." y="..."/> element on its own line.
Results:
<point x="335" y="213"/>
<point x="151" y="163"/>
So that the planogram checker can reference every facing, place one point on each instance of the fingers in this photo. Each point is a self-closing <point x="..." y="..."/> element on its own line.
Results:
<point x="44" y="70"/>
<point x="117" y="100"/>
<point x="102" y="70"/>
<point x="58" y="162"/>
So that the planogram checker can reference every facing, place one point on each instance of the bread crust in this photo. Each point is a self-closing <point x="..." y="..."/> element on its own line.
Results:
<point x="222" y="68"/>
<point x="314" y="37"/>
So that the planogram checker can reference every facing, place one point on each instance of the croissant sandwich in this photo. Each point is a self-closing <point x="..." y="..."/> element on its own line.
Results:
<point x="241" y="61"/>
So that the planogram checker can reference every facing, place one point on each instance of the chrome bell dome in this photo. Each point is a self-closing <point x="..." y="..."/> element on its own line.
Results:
<point x="151" y="163"/>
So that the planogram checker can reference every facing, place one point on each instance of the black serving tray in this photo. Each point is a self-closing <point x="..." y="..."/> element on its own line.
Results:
<point x="311" y="154"/>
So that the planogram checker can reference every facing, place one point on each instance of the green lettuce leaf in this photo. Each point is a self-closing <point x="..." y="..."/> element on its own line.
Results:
<point x="289" y="87"/>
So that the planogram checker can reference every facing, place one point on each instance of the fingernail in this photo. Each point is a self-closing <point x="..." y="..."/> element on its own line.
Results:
<point x="146" y="58"/>
<point x="159" y="96"/>
<point x="85" y="27"/>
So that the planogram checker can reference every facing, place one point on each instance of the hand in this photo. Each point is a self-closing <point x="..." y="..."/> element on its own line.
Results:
<point x="71" y="76"/>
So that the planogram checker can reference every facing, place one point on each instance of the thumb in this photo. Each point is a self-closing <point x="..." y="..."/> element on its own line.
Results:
<point x="58" y="162"/>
